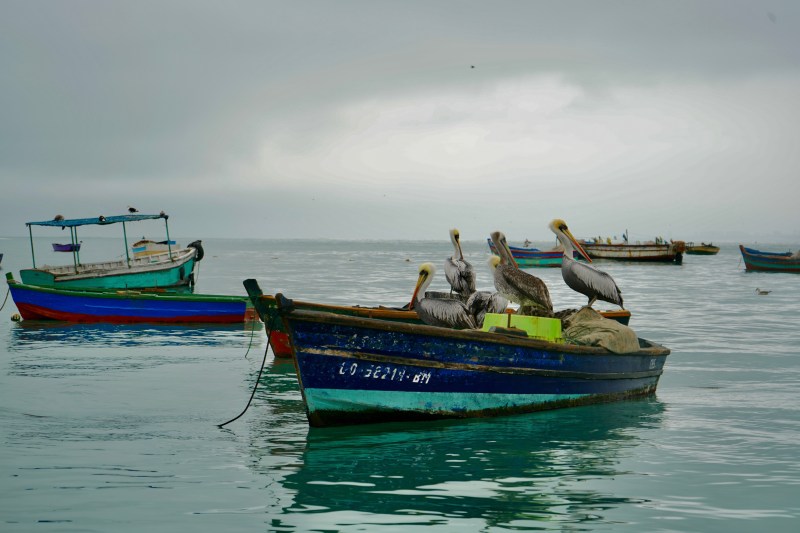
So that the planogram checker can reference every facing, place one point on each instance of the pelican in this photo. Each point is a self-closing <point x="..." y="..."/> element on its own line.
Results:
<point x="580" y="277"/>
<point x="459" y="273"/>
<point x="132" y="210"/>
<point x="518" y="286"/>
<point x="444" y="312"/>
<point x="481" y="302"/>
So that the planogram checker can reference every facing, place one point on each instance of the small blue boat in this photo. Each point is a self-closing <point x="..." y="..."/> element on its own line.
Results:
<point x="125" y="306"/>
<point x="171" y="268"/>
<point x="355" y="370"/>
<point x="532" y="257"/>
<point x="759" y="261"/>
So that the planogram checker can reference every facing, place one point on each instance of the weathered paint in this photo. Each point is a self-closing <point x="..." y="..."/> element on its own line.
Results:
<point x="40" y="303"/>
<point x="354" y="370"/>
<point x="664" y="253"/>
<point x="267" y="309"/>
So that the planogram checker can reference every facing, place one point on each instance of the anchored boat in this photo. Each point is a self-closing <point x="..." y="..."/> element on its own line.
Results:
<point x="174" y="267"/>
<point x="355" y="370"/>
<point x="125" y="306"/>
<point x="756" y="260"/>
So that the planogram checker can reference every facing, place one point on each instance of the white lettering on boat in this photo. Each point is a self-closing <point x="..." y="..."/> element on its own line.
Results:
<point x="387" y="372"/>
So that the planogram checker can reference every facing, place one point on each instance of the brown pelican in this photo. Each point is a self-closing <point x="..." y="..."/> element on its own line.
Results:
<point x="481" y="302"/>
<point x="580" y="277"/>
<point x="459" y="273"/>
<point x="444" y="312"/>
<point x="518" y="286"/>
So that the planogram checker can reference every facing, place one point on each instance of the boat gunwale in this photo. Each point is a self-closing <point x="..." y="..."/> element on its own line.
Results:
<point x="650" y="349"/>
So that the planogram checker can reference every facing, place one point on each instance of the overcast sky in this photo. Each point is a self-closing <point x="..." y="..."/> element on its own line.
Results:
<point x="371" y="119"/>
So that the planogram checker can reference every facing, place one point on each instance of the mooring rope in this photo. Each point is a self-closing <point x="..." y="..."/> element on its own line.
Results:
<point x="5" y="299"/>
<point x="255" y="386"/>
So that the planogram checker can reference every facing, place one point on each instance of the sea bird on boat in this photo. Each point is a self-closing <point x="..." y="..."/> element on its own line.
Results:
<point x="443" y="312"/>
<point x="132" y="210"/>
<point x="517" y="286"/>
<point x="481" y="302"/>
<point x="459" y="273"/>
<point x="580" y="277"/>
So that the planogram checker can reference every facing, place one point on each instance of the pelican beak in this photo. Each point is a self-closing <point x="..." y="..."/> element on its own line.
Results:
<point x="577" y="245"/>
<point x="508" y="254"/>
<point x="422" y="276"/>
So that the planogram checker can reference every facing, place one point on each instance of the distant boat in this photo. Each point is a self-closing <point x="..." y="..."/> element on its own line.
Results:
<point x="354" y="370"/>
<point x="645" y="252"/>
<point x="532" y="257"/>
<point x="174" y="267"/>
<point x="125" y="306"/>
<point x="701" y="249"/>
<point x="267" y="308"/>
<point x="148" y="247"/>
<point x="66" y="247"/>
<point x="758" y="261"/>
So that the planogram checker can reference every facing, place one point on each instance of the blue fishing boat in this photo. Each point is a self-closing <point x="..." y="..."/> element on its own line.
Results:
<point x="532" y="257"/>
<point x="759" y="261"/>
<point x="355" y="370"/>
<point x="125" y="306"/>
<point x="170" y="268"/>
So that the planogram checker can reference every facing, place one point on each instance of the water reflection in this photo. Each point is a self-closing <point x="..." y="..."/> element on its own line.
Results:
<point x="508" y="472"/>
<point x="33" y="334"/>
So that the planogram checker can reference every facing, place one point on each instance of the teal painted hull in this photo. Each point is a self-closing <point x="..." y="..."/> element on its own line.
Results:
<point x="116" y="276"/>
<point x="442" y="403"/>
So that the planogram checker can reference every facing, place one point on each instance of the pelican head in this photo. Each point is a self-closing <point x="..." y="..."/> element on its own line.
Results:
<point x="567" y="240"/>
<point x="499" y="240"/>
<point x="454" y="238"/>
<point x="426" y="273"/>
<point x="493" y="262"/>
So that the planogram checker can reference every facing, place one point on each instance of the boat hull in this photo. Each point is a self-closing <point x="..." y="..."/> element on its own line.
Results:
<point x="354" y="371"/>
<point x="143" y="272"/>
<point x="122" y="307"/>
<point x="758" y="261"/>
<point x="654" y="253"/>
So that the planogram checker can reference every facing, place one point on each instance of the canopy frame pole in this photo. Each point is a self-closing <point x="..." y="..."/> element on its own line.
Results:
<point x="169" y="246"/>
<point x="33" y="255"/>
<point x="125" y="237"/>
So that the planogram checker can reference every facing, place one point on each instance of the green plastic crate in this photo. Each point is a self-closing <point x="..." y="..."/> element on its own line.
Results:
<point x="548" y="329"/>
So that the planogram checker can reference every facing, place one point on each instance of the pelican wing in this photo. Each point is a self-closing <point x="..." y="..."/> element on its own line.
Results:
<point x="591" y="282"/>
<point x="521" y="287"/>
<point x="445" y="312"/>
<point x="460" y="275"/>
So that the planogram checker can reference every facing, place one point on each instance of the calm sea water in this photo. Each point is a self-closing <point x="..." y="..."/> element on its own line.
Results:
<point x="113" y="428"/>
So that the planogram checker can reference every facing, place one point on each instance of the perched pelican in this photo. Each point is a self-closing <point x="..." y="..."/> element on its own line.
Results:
<point x="444" y="312"/>
<point x="580" y="277"/>
<point x="761" y="292"/>
<point x="481" y="302"/>
<point x="58" y="218"/>
<point x="132" y="210"/>
<point x="518" y="286"/>
<point x="459" y="273"/>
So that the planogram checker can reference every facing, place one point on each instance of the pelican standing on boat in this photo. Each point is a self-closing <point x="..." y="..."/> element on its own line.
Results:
<point x="459" y="273"/>
<point x="517" y="286"/>
<point x="481" y="302"/>
<point x="443" y="312"/>
<point x="580" y="277"/>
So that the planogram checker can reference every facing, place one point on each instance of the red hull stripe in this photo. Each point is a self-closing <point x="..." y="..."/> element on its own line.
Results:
<point x="35" y="312"/>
